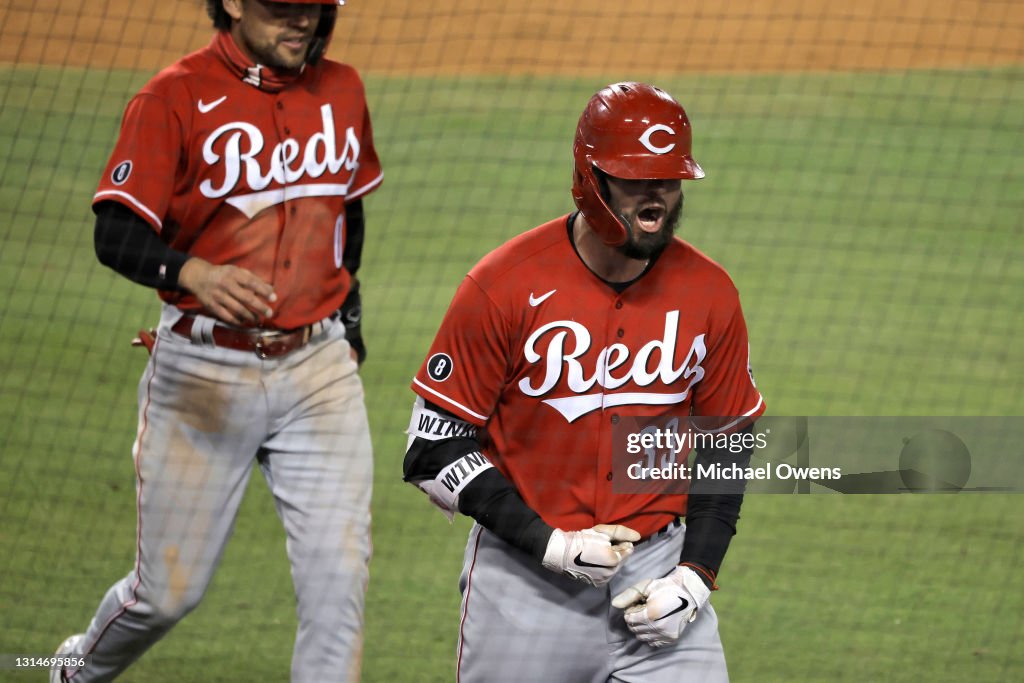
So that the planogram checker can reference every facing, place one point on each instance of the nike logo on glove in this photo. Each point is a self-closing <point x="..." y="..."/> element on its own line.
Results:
<point x="676" y="610"/>
<point x="205" y="108"/>
<point x="580" y="562"/>
<point x="537" y="301"/>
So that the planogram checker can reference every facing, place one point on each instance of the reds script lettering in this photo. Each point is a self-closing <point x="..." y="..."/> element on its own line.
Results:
<point x="610" y="358"/>
<point x="321" y="154"/>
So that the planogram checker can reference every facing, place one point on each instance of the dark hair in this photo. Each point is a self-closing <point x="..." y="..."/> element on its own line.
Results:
<point x="221" y="19"/>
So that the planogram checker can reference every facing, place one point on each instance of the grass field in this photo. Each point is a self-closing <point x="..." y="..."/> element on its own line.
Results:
<point x="872" y="223"/>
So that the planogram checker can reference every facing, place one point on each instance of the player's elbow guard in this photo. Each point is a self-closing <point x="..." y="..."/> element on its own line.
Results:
<point x="442" y="456"/>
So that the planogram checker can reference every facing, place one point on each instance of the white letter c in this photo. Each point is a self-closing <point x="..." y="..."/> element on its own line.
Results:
<point x="645" y="139"/>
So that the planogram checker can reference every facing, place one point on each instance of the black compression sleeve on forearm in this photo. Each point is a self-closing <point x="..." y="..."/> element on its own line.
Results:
<point x="352" y="318"/>
<point x="493" y="501"/>
<point x="706" y="541"/>
<point x="355" y="219"/>
<point x="352" y="308"/>
<point x="712" y="511"/>
<point x="490" y="498"/>
<point x="126" y="243"/>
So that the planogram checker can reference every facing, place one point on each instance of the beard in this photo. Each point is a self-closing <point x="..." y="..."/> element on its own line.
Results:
<point x="268" y="52"/>
<point x="642" y="245"/>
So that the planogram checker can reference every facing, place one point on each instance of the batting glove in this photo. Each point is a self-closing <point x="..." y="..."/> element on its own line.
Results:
<point x="657" y="610"/>
<point x="591" y="555"/>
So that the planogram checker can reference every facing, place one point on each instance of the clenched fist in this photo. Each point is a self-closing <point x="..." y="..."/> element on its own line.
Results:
<point x="657" y="610"/>
<point x="591" y="555"/>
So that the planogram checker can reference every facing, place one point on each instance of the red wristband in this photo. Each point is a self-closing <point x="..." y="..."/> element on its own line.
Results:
<point x="708" y="574"/>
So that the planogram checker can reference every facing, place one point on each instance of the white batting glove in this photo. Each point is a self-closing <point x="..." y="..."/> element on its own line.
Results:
<point x="657" y="610"/>
<point x="591" y="555"/>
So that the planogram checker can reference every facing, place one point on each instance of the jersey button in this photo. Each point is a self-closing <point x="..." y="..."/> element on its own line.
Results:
<point x="292" y="210"/>
<point x="280" y="105"/>
<point x="609" y="477"/>
<point x="621" y="333"/>
<point x="287" y="130"/>
<point x="618" y="304"/>
<point x="287" y="263"/>
<point x="615" y="419"/>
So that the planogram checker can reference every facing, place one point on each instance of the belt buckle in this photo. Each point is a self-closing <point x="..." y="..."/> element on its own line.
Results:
<point x="266" y="345"/>
<point x="276" y="343"/>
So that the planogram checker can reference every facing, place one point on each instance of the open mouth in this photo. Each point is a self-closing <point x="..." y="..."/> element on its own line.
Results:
<point x="651" y="218"/>
<point x="295" y="43"/>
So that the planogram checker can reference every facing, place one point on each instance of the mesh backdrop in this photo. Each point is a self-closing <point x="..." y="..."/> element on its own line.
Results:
<point x="861" y="171"/>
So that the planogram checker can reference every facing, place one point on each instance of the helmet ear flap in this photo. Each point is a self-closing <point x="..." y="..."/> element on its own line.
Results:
<point x="601" y="180"/>
<point x="322" y="35"/>
<point x="590" y="192"/>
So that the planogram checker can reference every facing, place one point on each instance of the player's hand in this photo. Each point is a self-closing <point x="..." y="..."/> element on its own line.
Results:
<point x="657" y="610"/>
<point x="591" y="555"/>
<point x="231" y="294"/>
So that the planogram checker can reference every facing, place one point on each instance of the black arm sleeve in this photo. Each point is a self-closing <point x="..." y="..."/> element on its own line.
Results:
<point x="492" y="501"/>
<point x="126" y="243"/>
<point x="352" y="254"/>
<point x="490" y="498"/>
<point x="352" y="318"/>
<point x="712" y="511"/>
<point x="352" y="307"/>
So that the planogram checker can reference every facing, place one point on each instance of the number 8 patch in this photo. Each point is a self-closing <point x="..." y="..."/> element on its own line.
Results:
<point x="439" y="367"/>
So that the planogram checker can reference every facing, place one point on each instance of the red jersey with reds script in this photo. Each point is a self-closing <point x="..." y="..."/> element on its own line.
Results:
<point x="237" y="166"/>
<point x="549" y="357"/>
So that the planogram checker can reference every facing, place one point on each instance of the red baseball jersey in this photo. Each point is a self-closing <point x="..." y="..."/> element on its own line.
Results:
<point x="234" y="165"/>
<point x="548" y="357"/>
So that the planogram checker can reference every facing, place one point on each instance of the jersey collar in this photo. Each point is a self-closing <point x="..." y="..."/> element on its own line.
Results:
<point x="257" y="75"/>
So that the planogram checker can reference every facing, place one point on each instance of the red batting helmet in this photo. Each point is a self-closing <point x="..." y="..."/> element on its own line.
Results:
<point x="633" y="131"/>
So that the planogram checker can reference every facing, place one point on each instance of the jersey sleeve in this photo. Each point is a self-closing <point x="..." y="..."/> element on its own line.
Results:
<point x="369" y="174"/>
<point x="465" y="370"/>
<point x="141" y="171"/>
<point x="728" y="389"/>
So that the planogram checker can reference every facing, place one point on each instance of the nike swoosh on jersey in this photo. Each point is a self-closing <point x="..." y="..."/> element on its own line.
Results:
<point x="537" y="301"/>
<point x="205" y="108"/>
<point x="676" y="610"/>
<point x="580" y="562"/>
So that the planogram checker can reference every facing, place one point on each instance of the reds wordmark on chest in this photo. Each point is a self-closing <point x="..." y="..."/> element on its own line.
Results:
<point x="235" y="153"/>
<point x="657" y="370"/>
<point x="564" y="350"/>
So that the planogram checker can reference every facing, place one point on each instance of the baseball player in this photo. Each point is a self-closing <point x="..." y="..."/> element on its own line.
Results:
<point x="550" y="341"/>
<point x="235" y="189"/>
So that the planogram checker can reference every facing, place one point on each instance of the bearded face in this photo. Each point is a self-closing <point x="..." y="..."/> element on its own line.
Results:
<point x="649" y="210"/>
<point x="274" y="34"/>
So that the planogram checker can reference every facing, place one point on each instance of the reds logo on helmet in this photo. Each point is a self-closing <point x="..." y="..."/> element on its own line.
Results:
<point x="615" y="368"/>
<point x="645" y="139"/>
<point x="633" y="131"/>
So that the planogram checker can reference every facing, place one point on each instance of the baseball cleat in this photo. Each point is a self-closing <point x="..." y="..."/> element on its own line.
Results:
<point x="68" y="647"/>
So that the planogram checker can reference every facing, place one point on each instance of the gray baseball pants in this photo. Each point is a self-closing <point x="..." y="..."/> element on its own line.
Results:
<point x="521" y="622"/>
<point x="206" y="414"/>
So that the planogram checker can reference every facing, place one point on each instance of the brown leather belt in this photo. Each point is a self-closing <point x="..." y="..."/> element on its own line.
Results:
<point x="264" y="343"/>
